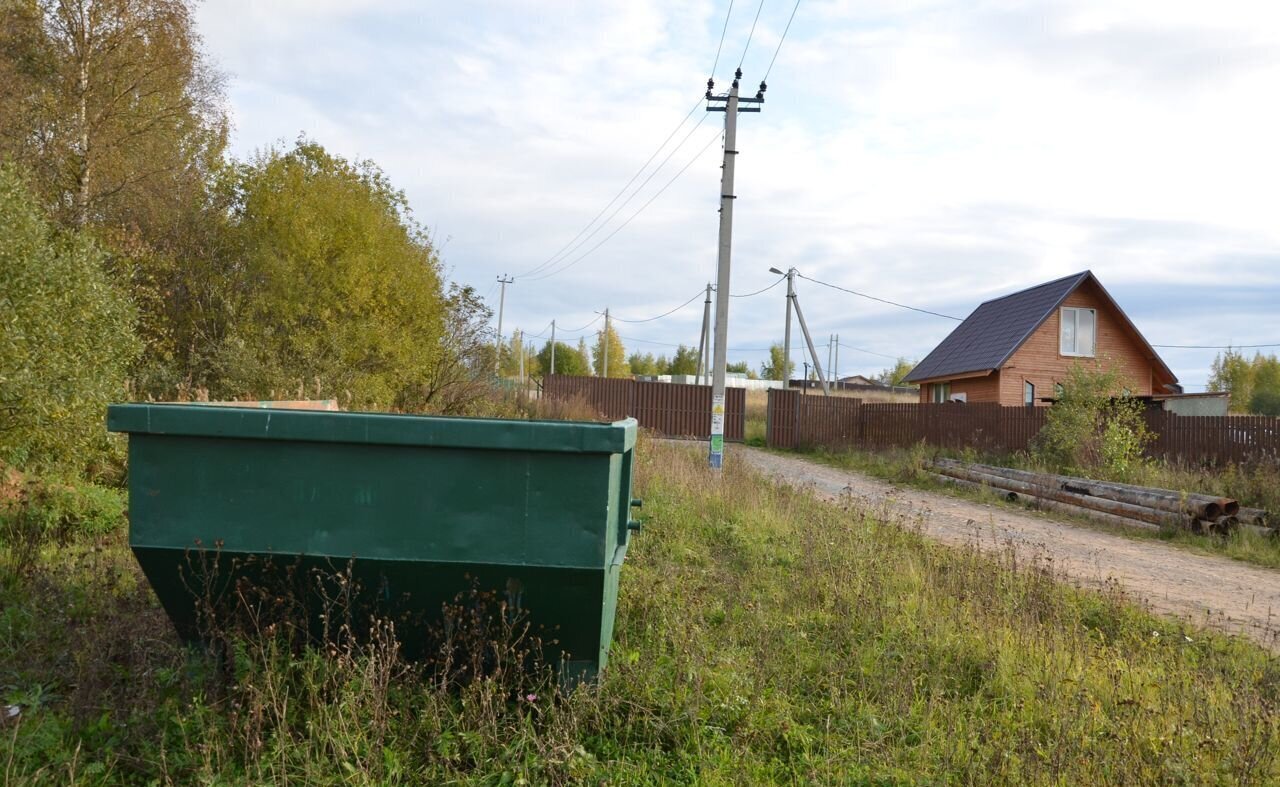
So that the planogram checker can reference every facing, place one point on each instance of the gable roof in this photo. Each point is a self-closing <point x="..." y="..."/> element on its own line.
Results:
<point x="997" y="328"/>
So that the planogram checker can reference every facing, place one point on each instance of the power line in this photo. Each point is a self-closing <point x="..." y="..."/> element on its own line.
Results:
<point x="757" y="292"/>
<point x="759" y="8"/>
<point x="588" y="325"/>
<point x="540" y="334"/>
<point x="696" y="295"/>
<point x="794" y="8"/>
<point x="1215" y="346"/>
<point x="881" y="300"/>
<point x="959" y="319"/>
<point x="759" y="349"/>
<point x="566" y="248"/>
<point x="720" y="46"/>
<point x="619" y="228"/>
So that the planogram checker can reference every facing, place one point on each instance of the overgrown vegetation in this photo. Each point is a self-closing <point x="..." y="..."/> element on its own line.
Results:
<point x="140" y="261"/>
<point x="1254" y="384"/>
<point x="762" y="637"/>
<point x="66" y="339"/>
<point x="1094" y="427"/>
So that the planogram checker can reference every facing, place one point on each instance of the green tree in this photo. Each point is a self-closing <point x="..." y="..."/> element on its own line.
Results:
<point x="1233" y="373"/>
<point x="111" y="105"/>
<point x="67" y="339"/>
<point x="617" y="354"/>
<point x="1093" y="426"/>
<point x="685" y="361"/>
<point x="462" y="372"/>
<point x="120" y="122"/>
<point x="509" y="364"/>
<point x="642" y="363"/>
<point x="897" y="374"/>
<point x="584" y="354"/>
<point x="569" y="360"/>
<point x="1265" y="398"/>
<point x="336" y="290"/>
<point x="741" y="367"/>
<point x="773" y="369"/>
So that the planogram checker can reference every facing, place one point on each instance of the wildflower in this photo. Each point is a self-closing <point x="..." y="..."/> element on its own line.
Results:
<point x="531" y="698"/>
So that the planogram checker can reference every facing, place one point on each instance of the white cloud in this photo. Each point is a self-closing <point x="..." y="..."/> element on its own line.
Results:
<point x="935" y="153"/>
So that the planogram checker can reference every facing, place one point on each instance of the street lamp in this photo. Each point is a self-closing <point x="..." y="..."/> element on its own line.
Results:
<point x="786" y="342"/>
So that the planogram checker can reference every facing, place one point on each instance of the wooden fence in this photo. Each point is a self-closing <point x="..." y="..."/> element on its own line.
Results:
<point x="799" y="420"/>
<point x="671" y="409"/>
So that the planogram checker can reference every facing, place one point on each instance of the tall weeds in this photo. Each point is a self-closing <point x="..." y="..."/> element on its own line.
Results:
<point x="762" y="637"/>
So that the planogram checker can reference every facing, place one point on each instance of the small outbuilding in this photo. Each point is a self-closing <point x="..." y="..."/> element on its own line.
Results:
<point x="1017" y="350"/>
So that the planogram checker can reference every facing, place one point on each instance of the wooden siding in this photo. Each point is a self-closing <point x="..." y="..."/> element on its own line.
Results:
<point x="1039" y="361"/>
<point x="975" y="389"/>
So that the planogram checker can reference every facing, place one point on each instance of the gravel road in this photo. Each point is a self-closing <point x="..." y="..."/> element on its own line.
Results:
<point x="1208" y="590"/>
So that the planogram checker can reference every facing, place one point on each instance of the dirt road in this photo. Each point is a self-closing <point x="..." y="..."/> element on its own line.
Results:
<point x="1208" y="590"/>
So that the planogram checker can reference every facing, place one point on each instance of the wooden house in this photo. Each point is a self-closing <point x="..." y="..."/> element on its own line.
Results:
<point x="1017" y="349"/>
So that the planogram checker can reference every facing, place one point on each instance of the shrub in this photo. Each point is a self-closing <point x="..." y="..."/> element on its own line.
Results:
<point x="1094" y="426"/>
<point x="66" y="338"/>
<point x="36" y="511"/>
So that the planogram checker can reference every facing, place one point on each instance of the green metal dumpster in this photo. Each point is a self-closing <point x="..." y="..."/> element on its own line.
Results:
<point x="420" y="508"/>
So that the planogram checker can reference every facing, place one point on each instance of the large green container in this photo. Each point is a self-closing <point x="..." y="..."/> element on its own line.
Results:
<point x="420" y="508"/>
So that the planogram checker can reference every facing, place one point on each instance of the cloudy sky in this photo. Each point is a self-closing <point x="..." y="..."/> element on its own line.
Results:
<point x="928" y="152"/>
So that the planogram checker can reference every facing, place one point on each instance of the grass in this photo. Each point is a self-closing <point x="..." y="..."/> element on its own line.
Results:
<point x="763" y="637"/>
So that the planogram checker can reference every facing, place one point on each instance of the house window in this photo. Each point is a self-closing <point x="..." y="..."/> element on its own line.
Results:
<point x="941" y="392"/>
<point x="1028" y="393"/>
<point x="1077" y="332"/>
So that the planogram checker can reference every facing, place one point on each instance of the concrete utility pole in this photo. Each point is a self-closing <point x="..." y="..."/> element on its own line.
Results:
<point x="553" y="350"/>
<point x="813" y="355"/>
<point x="502" y="299"/>
<point x="786" y="340"/>
<point x="606" y="342"/>
<point x="520" y="342"/>
<point x="730" y="109"/>
<point x="835" y="369"/>
<point x="704" y="338"/>
<point x="831" y="348"/>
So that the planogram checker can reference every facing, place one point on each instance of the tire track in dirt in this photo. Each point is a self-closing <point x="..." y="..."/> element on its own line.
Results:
<point x="1207" y="590"/>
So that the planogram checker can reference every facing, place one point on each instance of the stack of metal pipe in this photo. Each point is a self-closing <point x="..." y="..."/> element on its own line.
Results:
<point x="1108" y="501"/>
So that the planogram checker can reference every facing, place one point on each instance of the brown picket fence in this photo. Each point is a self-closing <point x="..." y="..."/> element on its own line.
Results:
<point x="671" y="409"/>
<point x="798" y="420"/>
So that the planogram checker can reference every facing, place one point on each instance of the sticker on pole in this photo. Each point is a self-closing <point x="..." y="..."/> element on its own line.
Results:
<point x="717" y="431"/>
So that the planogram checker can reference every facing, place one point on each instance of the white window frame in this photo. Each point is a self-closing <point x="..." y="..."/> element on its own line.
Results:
<point x="939" y="393"/>
<point x="1073" y="313"/>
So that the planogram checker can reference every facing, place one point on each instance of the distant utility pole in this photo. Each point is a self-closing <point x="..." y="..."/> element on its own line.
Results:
<point x="502" y="299"/>
<point x="605" y="341"/>
<point x="813" y="354"/>
<point x="520" y="342"/>
<point x="704" y="338"/>
<point x="553" y="350"/>
<point x="831" y="348"/>
<point x="835" y="368"/>
<point x="730" y="109"/>
<point x="786" y="341"/>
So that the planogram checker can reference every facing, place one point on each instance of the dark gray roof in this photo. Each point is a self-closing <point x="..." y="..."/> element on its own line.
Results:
<point x="987" y="338"/>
